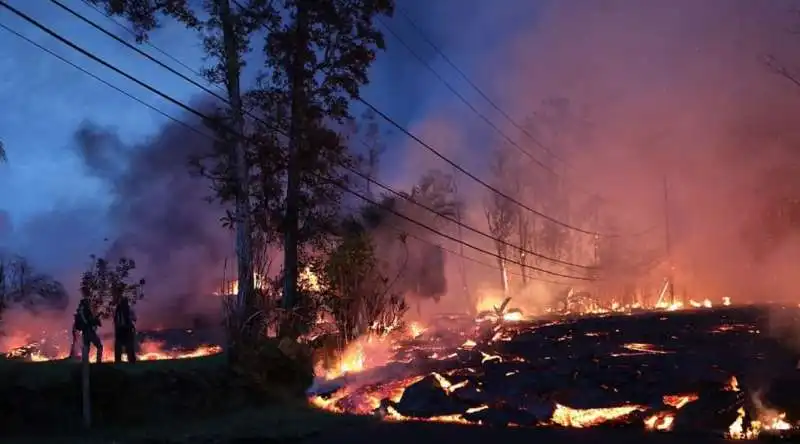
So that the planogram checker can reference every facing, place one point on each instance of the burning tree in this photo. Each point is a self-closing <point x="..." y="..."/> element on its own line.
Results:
<point x="355" y="289"/>
<point x="501" y="215"/>
<point x="105" y="284"/>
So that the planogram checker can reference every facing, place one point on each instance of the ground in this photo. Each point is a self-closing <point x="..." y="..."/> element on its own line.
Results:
<point x="193" y="400"/>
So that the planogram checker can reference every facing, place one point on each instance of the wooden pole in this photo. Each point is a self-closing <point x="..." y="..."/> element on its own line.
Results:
<point x="87" y="406"/>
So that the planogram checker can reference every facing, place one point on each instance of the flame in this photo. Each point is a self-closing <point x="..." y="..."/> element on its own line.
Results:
<point x="581" y="418"/>
<point x="309" y="280"/>
<point x="260" y="282"/>
<point x="148" y="351"/>
<point x="678" y="401"/>
<point x="704" y="304"/>
<point x="661" y="422"/>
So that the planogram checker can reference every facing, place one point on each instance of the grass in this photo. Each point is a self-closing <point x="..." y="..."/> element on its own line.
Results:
<point x="176" y="401"/>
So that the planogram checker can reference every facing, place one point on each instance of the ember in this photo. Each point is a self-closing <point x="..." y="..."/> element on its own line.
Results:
<point x="578" y="373"/>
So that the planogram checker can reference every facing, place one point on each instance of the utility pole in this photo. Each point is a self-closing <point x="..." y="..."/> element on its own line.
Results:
<point x="670" y="293"/>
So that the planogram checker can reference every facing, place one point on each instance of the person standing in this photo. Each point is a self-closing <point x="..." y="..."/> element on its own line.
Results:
<point x="87" y="323"/>
<point x="124" y="331"/>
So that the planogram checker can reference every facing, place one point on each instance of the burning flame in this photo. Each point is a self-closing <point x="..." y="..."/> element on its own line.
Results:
<point x="581" y="418"/>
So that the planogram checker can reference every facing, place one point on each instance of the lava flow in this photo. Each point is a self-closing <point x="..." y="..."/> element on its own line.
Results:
<point x="665" y="371"/>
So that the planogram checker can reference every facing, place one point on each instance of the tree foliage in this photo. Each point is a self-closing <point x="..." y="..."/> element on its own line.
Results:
<point x="105" y="284"/>
<point x="21" y="285"/>
<point x="356" y="290"/>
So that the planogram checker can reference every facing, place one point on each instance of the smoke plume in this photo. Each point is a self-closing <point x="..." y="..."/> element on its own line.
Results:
<point x="632" y="95"/>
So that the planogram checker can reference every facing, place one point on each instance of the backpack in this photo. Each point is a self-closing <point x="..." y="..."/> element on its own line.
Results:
<point x="78" y="323"/>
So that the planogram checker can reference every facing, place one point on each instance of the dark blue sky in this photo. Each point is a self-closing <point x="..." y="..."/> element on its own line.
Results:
<point x="44" y="100"/>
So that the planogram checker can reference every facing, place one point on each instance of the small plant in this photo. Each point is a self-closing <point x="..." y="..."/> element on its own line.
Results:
<point x="105" y="285"/>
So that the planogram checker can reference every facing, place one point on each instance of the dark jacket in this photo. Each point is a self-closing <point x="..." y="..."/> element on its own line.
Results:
<point x="84" y="318"/>
<point x="124" y="318"/>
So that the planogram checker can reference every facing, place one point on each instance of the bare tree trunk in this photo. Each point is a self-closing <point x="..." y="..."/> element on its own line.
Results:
<point x="504" y="274"/>
<point x="522" y="227"/>
<point x="244" y="248"/>
<point x="296" y="130"/>
<point x="471" y="304"/>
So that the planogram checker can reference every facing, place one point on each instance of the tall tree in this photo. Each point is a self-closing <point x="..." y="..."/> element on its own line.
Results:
<point x="501" y="214"/>
<point x="226" y="37"/>
<point x="3" y="156"/>
<point x="317" y="55"/>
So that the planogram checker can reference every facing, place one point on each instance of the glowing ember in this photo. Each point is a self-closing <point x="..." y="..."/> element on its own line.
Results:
<point x="581" y="418"/>
<point x="678" y="401"/>
<point x="661" y="422"/>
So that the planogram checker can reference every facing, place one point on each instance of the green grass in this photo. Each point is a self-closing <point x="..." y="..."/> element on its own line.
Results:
<point x="187" y="400"/>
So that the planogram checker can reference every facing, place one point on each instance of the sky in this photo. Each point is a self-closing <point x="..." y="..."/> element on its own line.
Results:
<point x="48" y="99"/>
<point x="663" y="91"/>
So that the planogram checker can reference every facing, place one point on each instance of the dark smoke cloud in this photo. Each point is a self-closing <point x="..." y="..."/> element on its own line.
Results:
<point x="162" y="218"/>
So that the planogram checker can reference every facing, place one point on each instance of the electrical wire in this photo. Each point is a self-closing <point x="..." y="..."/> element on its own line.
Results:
<point x="463" y="225"/>
<point x="148" y="43"/>
<point x="198" y="113"/>
<point x="174" y="101"/>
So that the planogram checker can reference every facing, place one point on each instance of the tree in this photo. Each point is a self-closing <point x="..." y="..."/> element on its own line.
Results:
<point x="21" y="285"/>
<point x="358" y="294"/>
<point x="105" y="285"/>
<point x="501" y="215"/>
<point x="317" y="54"/>
<point x="3" y="155"/>
<point x="226" y="38"/>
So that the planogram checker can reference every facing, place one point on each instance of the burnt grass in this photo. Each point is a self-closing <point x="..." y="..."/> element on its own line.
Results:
<point x="605" y="361"/>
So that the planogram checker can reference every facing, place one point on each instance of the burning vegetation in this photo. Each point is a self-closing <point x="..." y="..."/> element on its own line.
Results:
<point x="614" y="370"/>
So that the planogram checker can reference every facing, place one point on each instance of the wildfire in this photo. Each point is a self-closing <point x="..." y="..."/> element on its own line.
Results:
<point x="704" y="304"/>
<point x="260" y="282"/>
<point x="581" y="418"/>
<point x="661" y="422"/>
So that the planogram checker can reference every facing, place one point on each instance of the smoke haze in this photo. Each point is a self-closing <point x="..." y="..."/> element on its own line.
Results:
<point x="646" y="90"/>
<point x="675" y="89"/>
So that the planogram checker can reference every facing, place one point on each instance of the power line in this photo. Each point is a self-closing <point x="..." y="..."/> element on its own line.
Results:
<point x="148" y="43"/>
<point x="474" y="86"/>
<point x="447" y="236"/>
<point x="138" y="51"/>
<point x="198" y="113"/>
<point x="482" y="116"/>
<point x="151" y="89"/>
<point x="466" y="102"/>
<point x="463" y="225"/>
<point x="476" y="261"/>
<point x="101" y="80"/>
<point x="476" y="178"/>
<point x="99" y="60"/>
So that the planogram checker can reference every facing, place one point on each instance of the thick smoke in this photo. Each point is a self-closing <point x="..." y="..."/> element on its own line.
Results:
<point x="162" y="218"/>
<point x="663" y="89"/>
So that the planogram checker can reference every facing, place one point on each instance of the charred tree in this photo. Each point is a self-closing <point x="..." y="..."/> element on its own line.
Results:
<point x="501" y="215"/>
